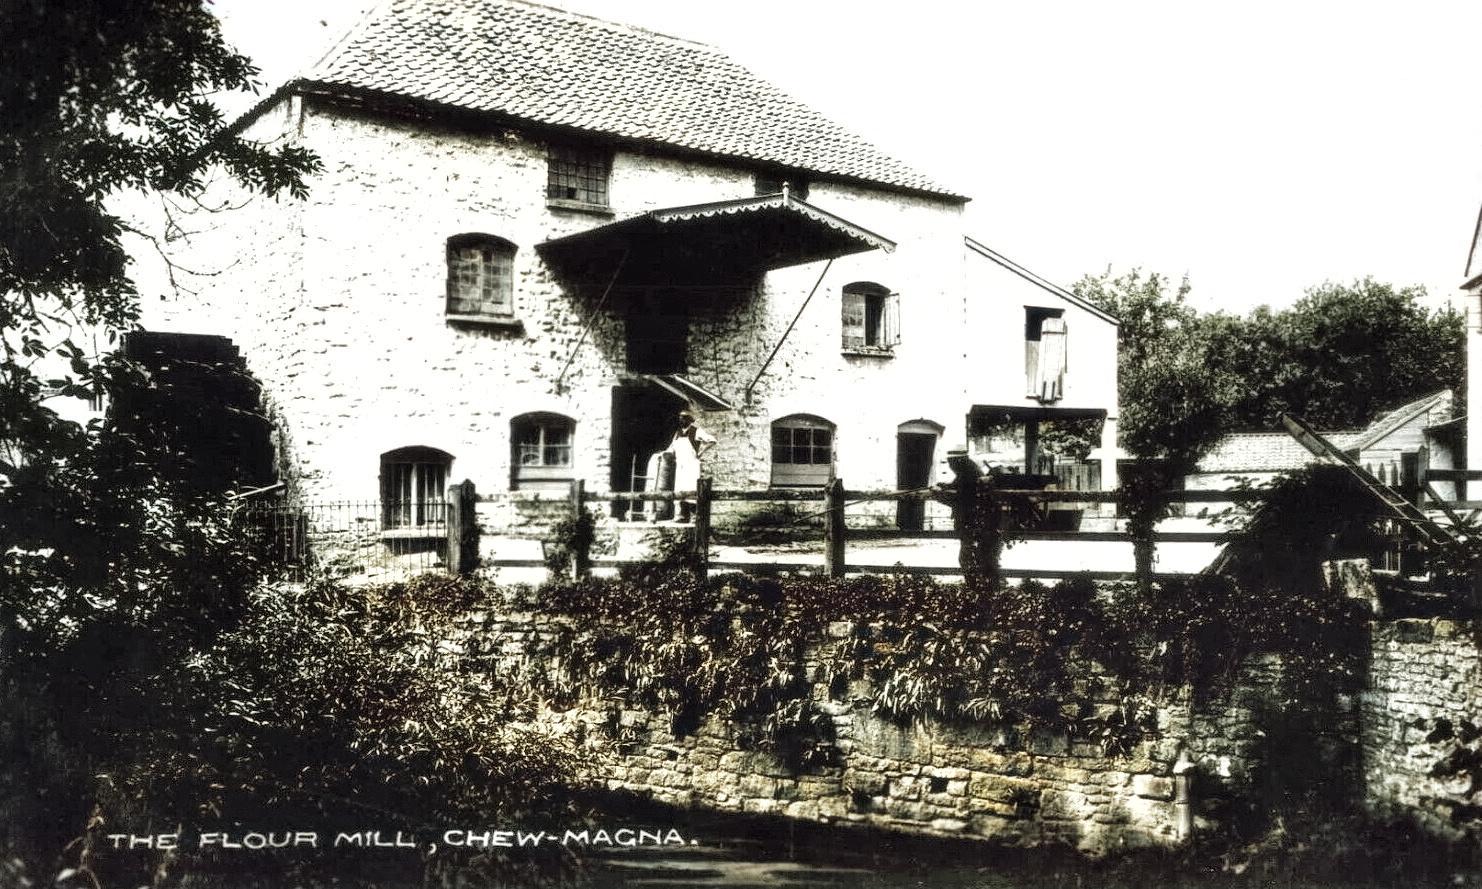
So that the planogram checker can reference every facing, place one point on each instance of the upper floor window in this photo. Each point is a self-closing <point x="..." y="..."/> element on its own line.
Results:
<point x="481" y="277"/>
<point x="577" y="177"/>
<point x="414" y="483"/>
<point x="541" y="455"/>
<point x="771" y="183"/>
<point x="802" y="451"/>
<point x="871" y="318"/>
<point x="1045" y="356"/>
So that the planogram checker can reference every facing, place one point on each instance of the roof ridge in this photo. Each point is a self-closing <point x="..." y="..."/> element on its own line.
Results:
<point x="548" y="65"/>
<point x="623" y="26"/>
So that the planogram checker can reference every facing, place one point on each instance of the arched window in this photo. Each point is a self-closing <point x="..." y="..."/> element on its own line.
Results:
<point x="414" y="484"/>
<point x="481" y="277"/>
<point x="541" y="451"/>
<point x="871" y="317"/>
<point x="802" y="451"/>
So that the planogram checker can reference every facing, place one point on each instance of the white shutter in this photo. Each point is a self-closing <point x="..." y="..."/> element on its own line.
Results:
<point x="853" y="320"/>
<point x="1049" y="384"/>
<point x="891" y="322"/>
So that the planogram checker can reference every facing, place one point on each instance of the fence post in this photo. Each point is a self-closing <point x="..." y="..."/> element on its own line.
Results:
<point x="833" y="527"/>
<point x="581" y="544"/>
<point x="703" y="488"/>
<point x="990" y="531"/>
<point x="463" y="529"/>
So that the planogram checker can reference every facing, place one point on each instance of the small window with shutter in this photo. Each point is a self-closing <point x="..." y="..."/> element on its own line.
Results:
<point x="870" y="319"/>
<point x="1045" y="355"/>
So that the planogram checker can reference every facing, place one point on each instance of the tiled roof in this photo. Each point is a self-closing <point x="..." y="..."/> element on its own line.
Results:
<point x="1266" y="452"/>
<point x="557" y="68"/>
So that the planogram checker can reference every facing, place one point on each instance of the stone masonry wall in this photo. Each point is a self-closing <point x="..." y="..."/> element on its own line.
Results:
<point x="1000" y="785"/>
<point x="338" y="304"/>
<point x="1422" y="671"/>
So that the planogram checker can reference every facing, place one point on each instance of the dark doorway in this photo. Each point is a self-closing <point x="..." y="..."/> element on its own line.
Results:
<point x="916" y="445"/>
<point x="644" y="419"/>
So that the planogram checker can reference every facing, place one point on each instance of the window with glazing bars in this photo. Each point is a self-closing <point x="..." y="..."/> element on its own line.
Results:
<point x="542" y="450"/>
<point x="481" y="278"/>
<point x="577" y="174"/>
<point x="802" y="451"/>
<point x="546" y="444"/>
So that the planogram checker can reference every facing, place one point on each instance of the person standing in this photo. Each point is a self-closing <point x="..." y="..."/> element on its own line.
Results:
<point x="690" y="442"/>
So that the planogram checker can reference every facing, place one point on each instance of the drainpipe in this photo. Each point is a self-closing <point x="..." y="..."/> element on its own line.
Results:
<point x="1183" y="807"/>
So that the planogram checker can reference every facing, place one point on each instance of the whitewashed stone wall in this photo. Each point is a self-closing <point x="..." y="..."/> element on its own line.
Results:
<point x="337" y="301"/>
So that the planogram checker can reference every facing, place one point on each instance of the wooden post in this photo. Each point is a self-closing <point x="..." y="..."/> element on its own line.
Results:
<point x="1031" y="447"/>
<point x="703" y="488"/>
<point x="581" y="543"/>
<point x="578" y="491"/>
<point x="833" y="528"/>
<point x="463" y="529"/>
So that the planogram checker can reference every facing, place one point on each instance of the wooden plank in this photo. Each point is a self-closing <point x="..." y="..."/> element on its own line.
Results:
<point x="1121" y="536"/>
<point x="765" y="495"/>
<point x="896" y="534"/>
<point x="894" y="496"/>
<point x="1453" y="475"/>
<point x="1113" y="496"/>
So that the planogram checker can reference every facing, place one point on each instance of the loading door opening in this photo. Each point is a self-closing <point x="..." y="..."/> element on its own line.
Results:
<point x="644" y="419"/>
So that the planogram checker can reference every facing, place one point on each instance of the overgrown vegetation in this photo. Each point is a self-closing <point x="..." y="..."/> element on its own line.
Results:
<point x="1071" y="658"/>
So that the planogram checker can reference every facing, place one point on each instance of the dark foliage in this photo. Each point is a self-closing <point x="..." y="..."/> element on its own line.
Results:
<point x="1022" y="657"/>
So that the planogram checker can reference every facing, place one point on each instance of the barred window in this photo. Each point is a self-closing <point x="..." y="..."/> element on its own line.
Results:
<point x="802" y="451"/>
<point x="414" y="485"/>
<point x="578" y="175"/>
<point x="481" y="279"/>
<point x="541" y="456"/>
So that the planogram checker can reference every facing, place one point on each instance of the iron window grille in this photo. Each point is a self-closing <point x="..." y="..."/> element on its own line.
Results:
<point x="414" y="485"/>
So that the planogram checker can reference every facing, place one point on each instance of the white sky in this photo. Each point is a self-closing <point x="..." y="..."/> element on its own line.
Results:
<point x="1260" y="147"/>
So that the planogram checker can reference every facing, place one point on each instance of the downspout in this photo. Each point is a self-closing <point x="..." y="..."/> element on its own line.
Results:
<point x="786" y="333"/>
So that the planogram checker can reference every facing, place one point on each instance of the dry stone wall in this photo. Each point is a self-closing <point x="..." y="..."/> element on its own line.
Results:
<point x="1424" y="674"/>
<point x="1000" y="784"/>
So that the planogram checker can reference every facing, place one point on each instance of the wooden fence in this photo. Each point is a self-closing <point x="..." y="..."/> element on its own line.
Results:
<point x="835" y="538"/>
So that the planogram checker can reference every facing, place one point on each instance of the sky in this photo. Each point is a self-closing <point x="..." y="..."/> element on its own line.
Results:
<point x="1259" y="148"/>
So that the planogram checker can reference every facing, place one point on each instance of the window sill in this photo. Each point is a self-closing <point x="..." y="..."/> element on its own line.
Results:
<point x="422" y="533"/>
<point x="879" y="352"/>
<point x="493" y="322"/>
<point x="579" y="206"/>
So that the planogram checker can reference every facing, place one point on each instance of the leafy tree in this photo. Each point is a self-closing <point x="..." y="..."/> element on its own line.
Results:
<point x="1174" y="401"/>
<point x="1339" y="356"/>
<point x="110" y="568"/>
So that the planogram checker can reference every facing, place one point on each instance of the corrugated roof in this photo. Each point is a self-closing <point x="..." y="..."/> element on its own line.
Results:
<point x="556" y="68"/>
<point x="1266" y="452"/>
